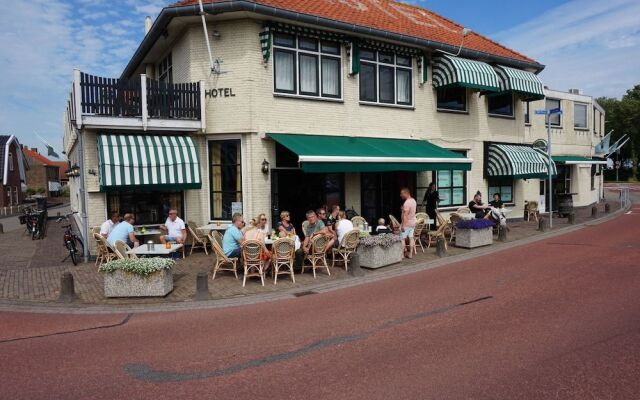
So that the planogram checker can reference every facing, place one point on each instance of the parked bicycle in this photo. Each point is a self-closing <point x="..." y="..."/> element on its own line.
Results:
<point x="35" y="222"/>
<point x="72" y="240"/>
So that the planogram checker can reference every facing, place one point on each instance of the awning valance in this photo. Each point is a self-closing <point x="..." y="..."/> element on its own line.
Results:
<point x="517" y="161"/>
<point x="570" y="160"/>
<point x="148" y="162"/>
<point x="518" y="81"/>
<point x="320" y="153"/>
<point x="456" y="71"/>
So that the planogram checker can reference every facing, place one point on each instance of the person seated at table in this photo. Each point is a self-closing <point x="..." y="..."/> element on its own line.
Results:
<point x="343" y="225"/>
<point x="329" y="226"/>
<point x="477" y="207"/>
<point x="108" y="225"/>
<point x="233" y="239"/>
<point x="258" y="232"/>
<point x="382" y="227"/>
<point x="285" y="227"/>
<point x="313" y="227"/>
<point x="175" y="228"/>
<point x="497" y="201"/>
<point x="124" y="231"/>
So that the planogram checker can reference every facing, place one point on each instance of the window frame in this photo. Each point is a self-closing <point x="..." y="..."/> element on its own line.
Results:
<point x="320" y="54"/>
<point x="465" y="182"/>
<point x="239" y="175"/>
<point x="377" y="65"/>
<point x="497" y="114"/>
<point x="501" y="183"/>
<point x="559" y="116"/>
<point x="527" y="112"/>
<point x="586" y="116"/>
<point x="116" y="197"/>
<point x="165" y="69"/>
<point x="465" y="110"/>
<point x="11" y="166"/>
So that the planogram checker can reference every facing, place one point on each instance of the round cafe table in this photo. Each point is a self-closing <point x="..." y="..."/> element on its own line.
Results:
<point x="269" y="242"/>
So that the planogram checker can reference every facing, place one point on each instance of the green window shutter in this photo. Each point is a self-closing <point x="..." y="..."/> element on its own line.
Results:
<point x="354" y="60"/>
<point x="265" y="42"/>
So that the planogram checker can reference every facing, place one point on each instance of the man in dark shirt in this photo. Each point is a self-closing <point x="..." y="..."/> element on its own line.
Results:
<point x="497" y="201"/>
<point x="431" y="199"/>
<point x="477" y="207"/>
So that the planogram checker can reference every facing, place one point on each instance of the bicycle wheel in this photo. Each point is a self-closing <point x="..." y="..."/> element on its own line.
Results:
<point x="78" y="247"/>
<point x="72" y="255"/>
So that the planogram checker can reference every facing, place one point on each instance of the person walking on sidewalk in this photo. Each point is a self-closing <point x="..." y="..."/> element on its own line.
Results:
<point x="431" y="199"/>
<point x="408" y="224"/>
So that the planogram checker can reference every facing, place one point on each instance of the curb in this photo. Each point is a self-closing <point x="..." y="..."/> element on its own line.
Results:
<point x="57" y="308"/>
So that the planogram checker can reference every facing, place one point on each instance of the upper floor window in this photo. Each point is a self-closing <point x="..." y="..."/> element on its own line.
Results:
<point x="501" y="104"/>
<point x="385" y="78"/>
<point x="306" y="66"/>
<point x="580" y="116"/>
<point x="452" y="98"/>
<point x="527" y="118"/>
<point x="165" y="69"/>
<point x="10" y="161"/>
<point x="556" y="119"/>
<point x="596" y="124"/>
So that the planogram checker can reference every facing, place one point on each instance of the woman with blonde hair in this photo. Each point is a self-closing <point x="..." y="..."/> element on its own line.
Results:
<point x="258" y="232"/>
<point x="285" y="227"/>
<point x="343" y="225"/>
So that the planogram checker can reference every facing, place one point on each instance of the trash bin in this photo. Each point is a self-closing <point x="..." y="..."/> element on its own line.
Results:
<point x="565" y="204"/>
<point x="42" y="203"/>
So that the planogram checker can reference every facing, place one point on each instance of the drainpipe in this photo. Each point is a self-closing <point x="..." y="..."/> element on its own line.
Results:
<point x="84" y="223"/>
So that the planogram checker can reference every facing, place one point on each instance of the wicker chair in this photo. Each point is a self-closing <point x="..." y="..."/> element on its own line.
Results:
<point x="358" y="222"/>
<point x="454" y="218"/>
<point x="198" y="239"/>
<point x="532" y="209"/>
<point x="122" y="250"/>
<point x="217" y="236"/>
<point x="347" y="247"/>
<point x="104" y="252"/>
<point x="252" y="260"/>
<point x="282" y="257"/>
<point x="422" y="215"/>
<point x="395" y="224"/>
<point x="94" y="230"/>
<point x="223" y="263"/>
<point x="439" y="233"/>
<point x="464" y="210"/>
<point x="318" y="254"/>
<point x="417" y="234"/>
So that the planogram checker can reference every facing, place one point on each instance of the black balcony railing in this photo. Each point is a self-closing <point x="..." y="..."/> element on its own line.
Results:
<point x="123" y="98"/>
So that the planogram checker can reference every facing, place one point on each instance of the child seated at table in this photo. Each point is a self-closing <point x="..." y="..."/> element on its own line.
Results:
<point x="382" y="228"/>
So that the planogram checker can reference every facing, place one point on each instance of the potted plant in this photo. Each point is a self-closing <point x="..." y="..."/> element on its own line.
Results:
<point x="380" y="250"/>
<point x="474" y="233"/>
<point x="138" y="277"/>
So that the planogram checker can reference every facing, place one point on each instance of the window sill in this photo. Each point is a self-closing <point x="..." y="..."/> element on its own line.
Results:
<point x="303" y="97"/>
<point x="369" y="103"/>
<point x="575" y="128"/>
<point x="460" y="112"/>
<point x="527" y="124"/>
<point x="502" y="116"/>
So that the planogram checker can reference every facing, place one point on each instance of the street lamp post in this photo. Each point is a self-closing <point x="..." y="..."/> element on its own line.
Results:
<point x="548" y="114"/>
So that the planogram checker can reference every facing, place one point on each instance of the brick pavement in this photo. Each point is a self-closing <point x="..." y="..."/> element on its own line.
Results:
<point x="30" y="270"/>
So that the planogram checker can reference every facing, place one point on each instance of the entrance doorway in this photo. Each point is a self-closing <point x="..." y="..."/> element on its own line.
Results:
<point x="381" y="194"/>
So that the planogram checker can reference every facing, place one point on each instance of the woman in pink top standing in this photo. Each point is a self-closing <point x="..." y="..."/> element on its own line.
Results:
<point x="408" y="221"/>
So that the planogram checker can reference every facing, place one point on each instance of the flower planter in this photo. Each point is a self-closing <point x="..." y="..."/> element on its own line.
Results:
<point x="377" y="256"/>
<point x="470" y="238"/>
<point x="125" y="284"/>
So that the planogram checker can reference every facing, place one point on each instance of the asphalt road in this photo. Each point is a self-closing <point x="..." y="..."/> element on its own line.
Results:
<point x="557" y="319"/>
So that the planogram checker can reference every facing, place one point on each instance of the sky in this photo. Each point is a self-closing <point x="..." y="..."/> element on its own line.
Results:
<point x="593" y="45"/>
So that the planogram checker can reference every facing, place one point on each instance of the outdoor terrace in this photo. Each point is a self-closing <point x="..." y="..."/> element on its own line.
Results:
<point x="136" y="104"/>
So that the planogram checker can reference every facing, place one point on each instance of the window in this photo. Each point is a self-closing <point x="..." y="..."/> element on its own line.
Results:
<point x="555" y="118"/>
<point x="149" y="208"/>
<point x="504" y="186"/>
<point x="452" y="98"/>
<point x="452" y="186"/>
<point x="385" y="78"/>
<point x="596" y="125"/>
<point x="225" y="178"/>
<point x="10" y="161"/>
<point x="563" y="180"/>
<point x="580" y="116"/>
<point x="165" y="70"/>
<point x="16" y="199"/>
<point x="306" y="67"/>
<point x="527" y="119"/>
<point x="501" y="104"/>
<point x="594" y="172"/>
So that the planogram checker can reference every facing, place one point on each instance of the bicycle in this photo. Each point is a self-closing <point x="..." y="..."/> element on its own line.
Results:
<point x="35" y="222"/>
<point x="72" y="241"/>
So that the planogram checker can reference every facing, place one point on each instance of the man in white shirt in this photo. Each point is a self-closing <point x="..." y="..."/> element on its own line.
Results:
<point x="108" y="225"/>
<point x="175" y="228"/>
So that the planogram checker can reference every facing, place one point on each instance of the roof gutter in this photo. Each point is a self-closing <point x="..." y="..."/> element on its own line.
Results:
<point x="168" y="13"/>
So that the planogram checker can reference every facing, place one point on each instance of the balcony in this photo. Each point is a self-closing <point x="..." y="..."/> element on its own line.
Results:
<point x="136" y="104"/>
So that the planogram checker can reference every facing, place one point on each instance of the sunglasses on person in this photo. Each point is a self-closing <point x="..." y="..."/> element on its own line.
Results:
<point x="263" y="219"/>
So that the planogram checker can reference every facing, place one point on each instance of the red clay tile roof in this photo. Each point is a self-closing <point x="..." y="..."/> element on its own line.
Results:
<point x="389" y="16"/>
<point x="63" y="165"/>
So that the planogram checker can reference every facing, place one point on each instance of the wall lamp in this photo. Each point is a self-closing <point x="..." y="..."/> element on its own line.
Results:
<point x="73" y="172"/>
<point x="265" y="167"/>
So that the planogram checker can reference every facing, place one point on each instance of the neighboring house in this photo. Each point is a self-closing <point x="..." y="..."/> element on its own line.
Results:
<point x="43" y="172"/>
<point x="13" y="168"/>
<point x="305" y="104"/>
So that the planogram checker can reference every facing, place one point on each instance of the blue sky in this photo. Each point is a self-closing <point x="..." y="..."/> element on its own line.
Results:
<point x="589" y="44"/>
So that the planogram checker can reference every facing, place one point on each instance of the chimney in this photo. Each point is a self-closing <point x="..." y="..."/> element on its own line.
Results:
<point x="147" y="24"/>
<point x="575" y="91"/>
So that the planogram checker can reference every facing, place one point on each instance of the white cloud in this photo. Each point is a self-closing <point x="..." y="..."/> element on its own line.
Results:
<point x="588" y="44"/>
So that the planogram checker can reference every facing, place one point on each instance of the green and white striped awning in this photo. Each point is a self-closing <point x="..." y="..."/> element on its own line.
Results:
<point x="522" y="82"/>
<point x="456" y="71"/>
<point x="517" y="161"/>
<point x="148" y="162"/>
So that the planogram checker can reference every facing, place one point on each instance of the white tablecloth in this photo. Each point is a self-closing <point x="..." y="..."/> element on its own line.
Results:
<point x="158" y="250"/>
<point x="269" y="242"/>
<point x="214" y="227"/>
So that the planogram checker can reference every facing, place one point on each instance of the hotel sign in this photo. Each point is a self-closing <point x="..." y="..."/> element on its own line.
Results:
<point x="220" y="92"/>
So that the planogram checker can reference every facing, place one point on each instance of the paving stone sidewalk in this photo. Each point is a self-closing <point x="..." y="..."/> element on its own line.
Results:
<point x="30" y="270"/>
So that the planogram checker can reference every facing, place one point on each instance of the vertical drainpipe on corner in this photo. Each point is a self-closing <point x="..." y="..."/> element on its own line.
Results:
<point x="83" y="200"/>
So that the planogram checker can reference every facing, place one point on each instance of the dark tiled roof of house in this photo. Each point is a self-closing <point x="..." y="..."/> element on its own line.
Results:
<point x="390" y="16"/>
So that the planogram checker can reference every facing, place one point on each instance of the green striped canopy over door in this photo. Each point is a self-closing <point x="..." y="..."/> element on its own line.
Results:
<point x="517" y="161"/>
<point x="522" y="82"/>
<point x="456" y="71"/>
<point x="148" y="162"/>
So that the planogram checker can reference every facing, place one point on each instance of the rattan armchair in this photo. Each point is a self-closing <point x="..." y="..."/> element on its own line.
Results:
<point x="198" y="239"/>
<point x="222" y="263"/>
<point x="347" y="247"/>
<point x="358" y="222"/>
<point x="417" y="234"/>
<point x="104" y="253"/>
<point x="422" y="215"/>
<point x="438" y="233"/>
<point x="217" y="236"/>
<point x="282" y="257"/>
<point x="532" y="209"/>
<point x="317" y="255"/>
<point x="252" y="260"/>
<point x="122" y="250"/>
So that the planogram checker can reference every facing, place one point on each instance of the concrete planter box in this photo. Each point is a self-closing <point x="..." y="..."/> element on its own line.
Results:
<point x="124" y="284"/>
<point x="376" y="256"/>
<point x="470" y="238"/>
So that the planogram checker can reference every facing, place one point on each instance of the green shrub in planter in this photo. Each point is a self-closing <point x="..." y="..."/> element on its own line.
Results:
<point x="138" y="266"/>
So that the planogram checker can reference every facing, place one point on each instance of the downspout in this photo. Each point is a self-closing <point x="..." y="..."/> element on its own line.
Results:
<point x="84" y="223"/>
